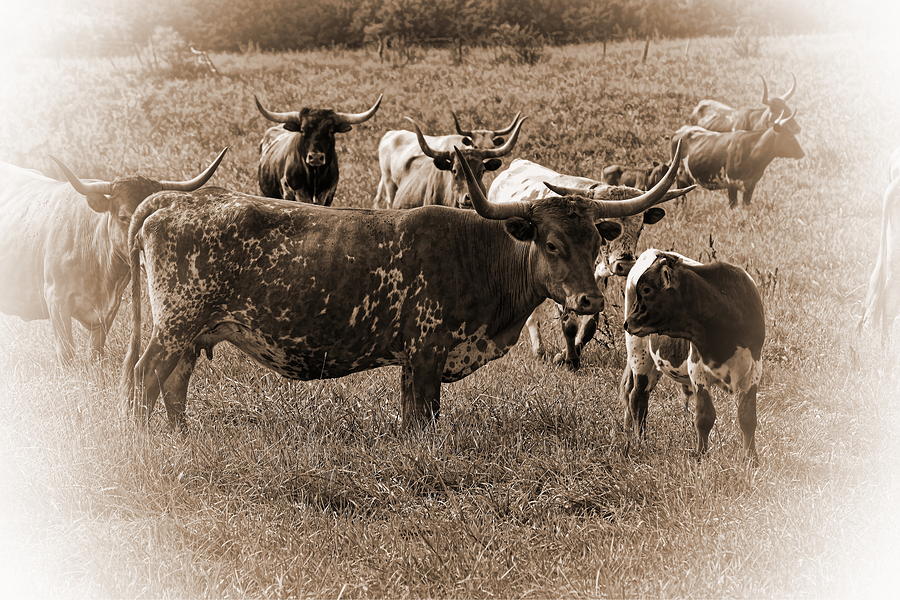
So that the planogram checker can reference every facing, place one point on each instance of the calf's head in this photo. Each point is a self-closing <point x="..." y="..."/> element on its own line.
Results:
<point x="653" y="299"/>
<point x="317" y="128"/>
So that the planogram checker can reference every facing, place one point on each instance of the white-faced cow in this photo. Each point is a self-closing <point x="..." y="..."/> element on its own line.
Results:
<point x="313" y="292"/>
<point x="64" y="248"/>
<point x="526" y="181"/>
<point x="734" y="160"/>
<point x="702" y="325"/>
<point x="641" y="178"/>
<point x="433" y="175"/>
<point x="297" y="159"/>
<point x="882" y="303"/>
<point x="401" y="157"/>
<point x="715" y="116"/>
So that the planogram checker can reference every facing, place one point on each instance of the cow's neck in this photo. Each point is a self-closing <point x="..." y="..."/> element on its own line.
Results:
<point x="110" y="242"/>
<point x="763" y="151"/>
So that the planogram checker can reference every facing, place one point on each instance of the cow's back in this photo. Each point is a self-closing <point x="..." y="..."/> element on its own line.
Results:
<point x="524" y="180"/>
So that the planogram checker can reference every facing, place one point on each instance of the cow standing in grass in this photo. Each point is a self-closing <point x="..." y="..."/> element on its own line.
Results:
<point x="734" y="160"/>
<point x="314" y="292"/>
<point x="716" y="116"/>
<point x="701" y="325"/>
<point x="297" y="159"/>
<point x="526" y="181"/>
<point x="641" y="178"/>
<point x="64" y="248"/>
<point x="403" y="159"/>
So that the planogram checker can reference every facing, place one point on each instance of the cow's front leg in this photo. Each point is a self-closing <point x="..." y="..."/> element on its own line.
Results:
<point x="639" y="378"/>
<point x="704" y="417"/>
<point x="421" y="388"/>
<point x="326" y="197"/>
<point x="97" y="333"/>
<point x="587" y="327"/>
<point x="61" y="321"/>
<point x="287" y="192"/>
<point x="732" y="195"/>
<point x="748" y="192"/>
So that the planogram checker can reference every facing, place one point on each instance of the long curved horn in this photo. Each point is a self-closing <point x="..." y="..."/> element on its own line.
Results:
<point x="489" y="210"/>
<point x="506" y="130"/>
<point x="765" y="98"/>
<point x="787" y="95"/>
<point x="459" y="129"/>
<point x="605" y="209"/>
<point x="192" y="184"/>
<point x="507" y="147"/>
<point x="565" y="191"/>
<point x="785" y="118"/>
<point x="277" y="117"/>
<point x="426" y="149"/>
<point x="83" y="187"/>
<point x="354" y="118"/>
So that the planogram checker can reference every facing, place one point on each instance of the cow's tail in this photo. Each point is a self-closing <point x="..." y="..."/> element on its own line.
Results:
<point x="874" y="305"/>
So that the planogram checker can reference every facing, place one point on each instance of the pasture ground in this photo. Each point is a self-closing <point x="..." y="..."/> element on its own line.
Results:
<point x="522" y="490"/>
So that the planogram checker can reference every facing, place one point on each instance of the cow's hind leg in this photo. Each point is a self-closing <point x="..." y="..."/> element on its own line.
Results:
<point x="174" y="392"/>
<point x="732" y="196"/>
<point x="747" y="420"/>
<point x="150" y="372"/>
<point x="748" y="192"/>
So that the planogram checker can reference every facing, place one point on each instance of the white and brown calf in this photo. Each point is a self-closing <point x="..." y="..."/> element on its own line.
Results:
<point x="703" y="326"/>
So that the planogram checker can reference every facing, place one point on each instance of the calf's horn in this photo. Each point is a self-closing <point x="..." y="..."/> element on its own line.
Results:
<point x="489" y="210"/>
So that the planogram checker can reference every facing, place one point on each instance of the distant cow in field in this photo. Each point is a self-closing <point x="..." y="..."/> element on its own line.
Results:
<point x="716" y="116"/>
<point x="734" y="160"/>
<point x="297" y="159"/>
<point x="882" y="303"/>
<point x="528" y="181"/>
<point x="314" y="292"/>
<point x="432" y="175"/>
<point x="701" y="325"/>
<point x="641" y="178"/>
<point x="64" y="248"/>
<point x="398" y="149"/>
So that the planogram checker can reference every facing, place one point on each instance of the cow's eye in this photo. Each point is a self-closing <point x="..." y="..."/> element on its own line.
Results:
<point x="551" y="247"/>
<point x="646" y="290"/>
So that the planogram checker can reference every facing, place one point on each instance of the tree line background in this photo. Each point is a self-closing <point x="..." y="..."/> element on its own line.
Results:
<point x="235" y="25"/>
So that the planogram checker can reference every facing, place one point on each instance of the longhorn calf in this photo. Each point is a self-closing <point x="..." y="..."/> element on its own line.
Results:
<point x="734" y="160"/>
<point x="702" y="325"/>
<point x="314" y="292"/>
<point x="716" y="116"/>
<point x="297" y="159"/>
<point x="63" y="248"/>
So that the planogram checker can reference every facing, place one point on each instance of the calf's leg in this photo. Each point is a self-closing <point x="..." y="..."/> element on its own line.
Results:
<point x="747" y="420"/>
<point x="704" y="417"/>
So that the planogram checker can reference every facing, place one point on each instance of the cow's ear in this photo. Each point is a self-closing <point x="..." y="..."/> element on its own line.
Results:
<point x="609" y="230"/>
<point x="467" y="141"/>
<point x="444" y="164"/>
<point x="292" y="126"/>
<point x="99" y="202"/>
<point x="654" y="215"/>
<point x="498" y="141"/>
<point x="492" y="164"/>
<point x="343" y="127"/>
<point x="520" y="229"/>
<point x="666" y="276"/>
<point x="655" y="163"/>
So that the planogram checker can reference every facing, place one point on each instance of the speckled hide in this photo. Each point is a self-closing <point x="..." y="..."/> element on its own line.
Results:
<point x="701" y="325"/>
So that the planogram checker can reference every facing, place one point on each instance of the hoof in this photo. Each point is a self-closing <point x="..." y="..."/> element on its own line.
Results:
<point x="560" y="360"/>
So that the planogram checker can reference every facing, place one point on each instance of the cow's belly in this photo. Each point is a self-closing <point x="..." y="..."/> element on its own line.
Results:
<point x="670" y="355"/>
<point x="470" y="353"/>
<point x="22" y="292"/>
<point x="737" y="374"/>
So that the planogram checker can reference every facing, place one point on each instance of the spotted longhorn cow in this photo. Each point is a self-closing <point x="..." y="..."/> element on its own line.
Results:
<point x="701" y="325"/>
<point x="297" y="159"/>
<point x="63" y="250"/>
<point x="882" y="302"/>
<point x="734" y="160"/>
<point x="314" y="292"/>
<point x="419" y="169"/>
<point x="526" y="181"/>
<point x="716" y="116"/>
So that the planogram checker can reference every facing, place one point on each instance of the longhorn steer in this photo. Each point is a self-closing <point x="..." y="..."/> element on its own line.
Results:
<point x="882" y="303"/>
<point x="434" y="176"/>
<point x="64" y="258"/>
<point x="716" y="116"/>
<point x="734" y="160"/>
<point x="402" y="159"/>
<point x="702" y="325"/>
<point x="527" y="181"/>
<point x="313" y="292"/>
<point x="297" y="159"/>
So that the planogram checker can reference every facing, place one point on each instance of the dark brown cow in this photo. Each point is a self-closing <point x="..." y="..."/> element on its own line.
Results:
<point x="63" y="248"/>
<point x="313" y="292"/>
<point x="702" y="325"/>
<point x="297" y="159"/>
<point x="715" y="116"/>
<point x="734" y="160"/>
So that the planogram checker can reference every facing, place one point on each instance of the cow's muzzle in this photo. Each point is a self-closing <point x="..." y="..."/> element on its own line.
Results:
<point x="315" y="159"/>
<point x="585" y="304"/>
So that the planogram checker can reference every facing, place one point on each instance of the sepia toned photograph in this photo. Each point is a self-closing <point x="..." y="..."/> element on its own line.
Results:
<point x="449" y="299"/>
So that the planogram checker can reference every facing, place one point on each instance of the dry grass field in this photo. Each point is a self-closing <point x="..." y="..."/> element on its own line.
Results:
<point x="311" y="489"/>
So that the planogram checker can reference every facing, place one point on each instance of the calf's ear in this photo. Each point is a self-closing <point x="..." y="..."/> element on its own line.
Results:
<point x="520" y="229"/>
<point x="609" y="230"/>
<point x="654" y="215"/>
<point x="444" y="164"/>
<point x="492" y="164"/>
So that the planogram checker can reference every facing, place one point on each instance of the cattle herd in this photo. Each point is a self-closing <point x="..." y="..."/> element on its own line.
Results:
<point x="441" y="289"/>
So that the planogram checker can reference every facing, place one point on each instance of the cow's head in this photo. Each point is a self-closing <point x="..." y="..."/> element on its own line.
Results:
<point x="777" y="105"/>
<point x="121" y="197"/>
<point x="654" y="302"/>
<point x="565" y="234"/>
<point x="618" y="254"/>
<point x="478" y="160"/>
<point x="317" y="127"/>
<point x="485" y="138"/>
<point x="786" y="144"/>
